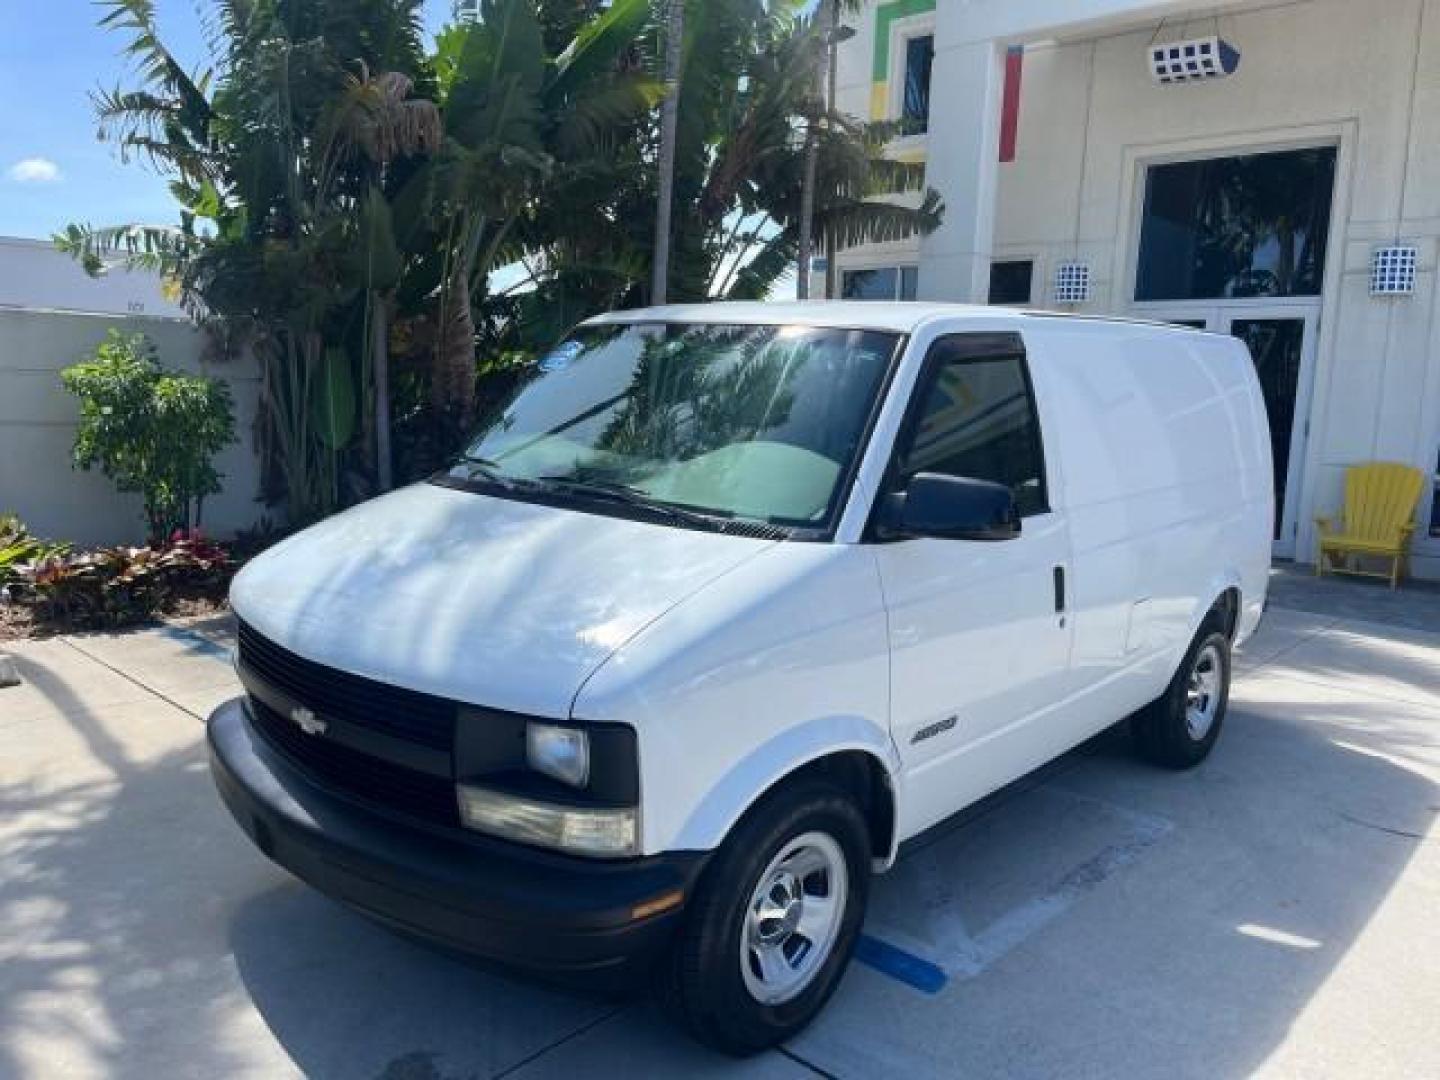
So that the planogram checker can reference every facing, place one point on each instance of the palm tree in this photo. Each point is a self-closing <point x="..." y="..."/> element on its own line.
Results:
<point x="334" y="181"/>
<point x="377" y="119"/>
<point x="518" y="124"/>
<point x="738" y="179"/>
<point x="669" y="120"/>
<point x="282" y="157"/>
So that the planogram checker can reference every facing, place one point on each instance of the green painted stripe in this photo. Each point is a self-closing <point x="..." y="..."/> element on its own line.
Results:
<point x="884" y="16"/>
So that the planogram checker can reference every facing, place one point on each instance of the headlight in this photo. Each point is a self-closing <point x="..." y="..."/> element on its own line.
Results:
<point x="562" y="753"/>
<point x="598" y="831"/>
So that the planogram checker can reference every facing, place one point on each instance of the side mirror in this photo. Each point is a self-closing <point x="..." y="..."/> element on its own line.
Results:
<point x="950" y="508"/>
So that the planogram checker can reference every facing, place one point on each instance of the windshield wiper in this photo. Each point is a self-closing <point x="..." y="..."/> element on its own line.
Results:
<point x="628" y="495"/>
<point x="490" y="471"/>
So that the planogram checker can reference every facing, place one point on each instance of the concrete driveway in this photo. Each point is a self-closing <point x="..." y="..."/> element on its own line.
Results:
<point x="1276" y="911"/>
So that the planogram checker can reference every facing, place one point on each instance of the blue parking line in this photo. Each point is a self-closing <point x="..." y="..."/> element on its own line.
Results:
<point x="900" y="965"/>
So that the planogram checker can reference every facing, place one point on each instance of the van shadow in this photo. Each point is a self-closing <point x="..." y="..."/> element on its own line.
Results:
<point x="347" y="997"/>
<point x="1240" y="887"/>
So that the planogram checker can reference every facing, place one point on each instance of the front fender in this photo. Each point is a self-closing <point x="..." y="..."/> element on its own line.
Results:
<point x="769" y="763"/>
<point x="783" y="661"/>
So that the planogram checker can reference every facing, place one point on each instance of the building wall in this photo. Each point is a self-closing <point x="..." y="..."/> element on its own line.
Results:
<point x="1365" y="76"/>
<point x="33" y="274"/>
<point x="38" y="419"/>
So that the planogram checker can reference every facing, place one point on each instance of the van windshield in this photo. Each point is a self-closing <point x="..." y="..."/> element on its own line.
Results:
<point x="757" y="422"/>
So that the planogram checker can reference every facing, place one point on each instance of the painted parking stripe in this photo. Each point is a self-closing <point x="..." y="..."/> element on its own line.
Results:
<point x="944" y="948"/>
<point x="900" y="965"/>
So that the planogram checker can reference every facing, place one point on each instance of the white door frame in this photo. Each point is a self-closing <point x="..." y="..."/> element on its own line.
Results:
<point x="1218" y="317"/>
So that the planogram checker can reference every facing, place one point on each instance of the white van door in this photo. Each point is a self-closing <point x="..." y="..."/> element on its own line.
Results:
<point x="979" y="632"/>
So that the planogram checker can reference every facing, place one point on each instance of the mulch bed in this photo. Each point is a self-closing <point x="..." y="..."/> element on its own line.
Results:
<point x="19" y="622"/>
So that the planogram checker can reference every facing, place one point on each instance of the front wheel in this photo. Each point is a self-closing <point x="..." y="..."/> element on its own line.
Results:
<point x="1179" y="728"/>
<point x="771" y="928"/>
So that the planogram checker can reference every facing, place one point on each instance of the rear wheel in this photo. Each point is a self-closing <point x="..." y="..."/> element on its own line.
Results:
<point x="1179" y="728"/>
<point x="771" y="928"/>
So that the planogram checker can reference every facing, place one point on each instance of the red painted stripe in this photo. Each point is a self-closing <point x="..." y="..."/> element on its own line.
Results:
<point x="1010" y="102"/>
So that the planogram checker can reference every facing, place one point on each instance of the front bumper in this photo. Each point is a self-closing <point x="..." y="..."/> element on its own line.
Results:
<point x="501" y="901"/>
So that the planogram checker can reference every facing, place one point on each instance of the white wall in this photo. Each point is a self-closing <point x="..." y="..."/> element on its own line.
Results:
<point x="37" y="428"/>
<point x="1365" y="76"/>
<point x="33" y="274"/>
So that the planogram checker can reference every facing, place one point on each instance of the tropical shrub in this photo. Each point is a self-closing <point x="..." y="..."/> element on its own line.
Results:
<point x="18" y="548"/>
<point x="117" y="586"/>
<point x="152" y="431"/>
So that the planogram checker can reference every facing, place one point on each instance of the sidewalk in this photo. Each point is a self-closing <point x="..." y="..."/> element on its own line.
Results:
<point x="1415" y="605"/>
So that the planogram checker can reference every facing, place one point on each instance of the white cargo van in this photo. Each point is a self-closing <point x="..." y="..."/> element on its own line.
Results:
<point x="724" y="603"/>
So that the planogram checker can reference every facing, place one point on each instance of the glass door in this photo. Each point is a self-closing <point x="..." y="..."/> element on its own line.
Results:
<point x="1283" y="347"/>
<point x="1281" y="340"/>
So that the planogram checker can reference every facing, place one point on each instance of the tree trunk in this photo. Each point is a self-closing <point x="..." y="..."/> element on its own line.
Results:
<point x="812" y="155"/>
<point x="452" y="381"/>
<point x="807" y="213"/>
<point x="380" y="358"/>
<point x="669" y="118"/>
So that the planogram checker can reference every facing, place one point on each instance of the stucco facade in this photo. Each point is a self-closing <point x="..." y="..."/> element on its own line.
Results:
<point x="1362" y="78"/>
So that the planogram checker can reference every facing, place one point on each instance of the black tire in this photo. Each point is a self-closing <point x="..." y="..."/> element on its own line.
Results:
<point x="1163" y="731"/>
<point x="702" y="983"/>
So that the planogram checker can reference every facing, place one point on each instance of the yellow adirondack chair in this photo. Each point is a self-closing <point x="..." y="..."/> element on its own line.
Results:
<point x="1380" y="501"/>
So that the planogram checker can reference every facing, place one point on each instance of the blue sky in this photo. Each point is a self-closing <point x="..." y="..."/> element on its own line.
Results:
<point x="52" y="168"/>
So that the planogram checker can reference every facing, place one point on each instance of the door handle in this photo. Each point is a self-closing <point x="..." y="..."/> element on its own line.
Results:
<point x="1060" y="590"/>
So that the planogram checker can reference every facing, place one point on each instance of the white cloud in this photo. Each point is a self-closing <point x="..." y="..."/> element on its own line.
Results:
<point x="34" y="170"/>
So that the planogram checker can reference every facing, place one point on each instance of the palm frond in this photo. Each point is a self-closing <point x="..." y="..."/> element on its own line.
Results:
<point x="597" y="49"/>
<point x="585" y="125"/>
<point x="886" y="176"/>
<point x="877" y="222"/>
<point x="147" y="247"/>
<point x="157" y="65"/>
<point x="758" y="277"/>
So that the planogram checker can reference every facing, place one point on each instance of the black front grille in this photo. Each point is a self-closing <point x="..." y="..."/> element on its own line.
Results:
<point x="391" y="710"/>
<point x="363" y="776"/>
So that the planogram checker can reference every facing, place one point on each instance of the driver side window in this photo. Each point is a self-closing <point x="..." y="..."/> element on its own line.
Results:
<point x="976" y="419"/>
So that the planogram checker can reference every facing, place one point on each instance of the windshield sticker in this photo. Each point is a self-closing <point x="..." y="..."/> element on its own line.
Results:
<point x="561" y="357"/>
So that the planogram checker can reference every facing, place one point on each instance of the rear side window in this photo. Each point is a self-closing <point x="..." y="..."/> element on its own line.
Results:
<point x="976" y="418"/>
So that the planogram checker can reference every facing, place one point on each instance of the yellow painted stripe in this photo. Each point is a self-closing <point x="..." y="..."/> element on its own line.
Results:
<point x="879" y="100"/>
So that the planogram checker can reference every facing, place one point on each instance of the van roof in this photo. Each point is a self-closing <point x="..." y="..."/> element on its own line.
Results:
<point x="897" y="316"/>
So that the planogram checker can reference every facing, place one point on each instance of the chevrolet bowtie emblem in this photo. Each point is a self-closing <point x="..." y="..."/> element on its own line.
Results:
<point x="307" y="721"/>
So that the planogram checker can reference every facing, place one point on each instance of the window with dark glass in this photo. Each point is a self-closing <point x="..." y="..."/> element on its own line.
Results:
<point x="1010" y="281"/>
<point x="919" y="58"/>
<point x="1435" y="505"/>
<point x="880" y="283"/>
<point x="978" y="421"/>
<point x="1254" y="225"/>
<point x="876" y="284"/>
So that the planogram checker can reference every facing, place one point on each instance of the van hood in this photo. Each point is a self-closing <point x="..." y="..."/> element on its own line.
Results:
<point x="491" y="601"/>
